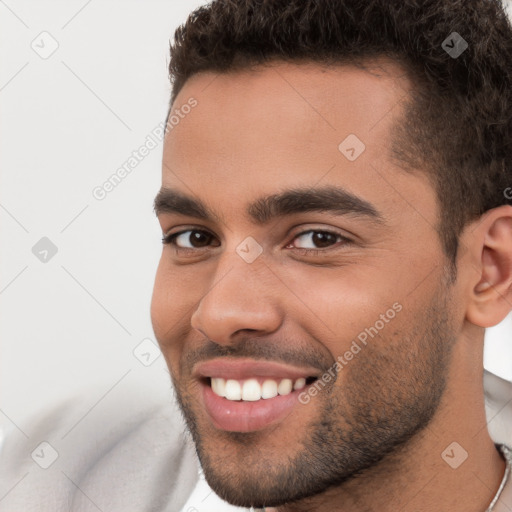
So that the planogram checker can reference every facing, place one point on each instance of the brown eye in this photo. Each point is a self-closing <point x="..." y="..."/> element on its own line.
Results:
<point x="189" y="239"/>
<point x="318" y="239"/>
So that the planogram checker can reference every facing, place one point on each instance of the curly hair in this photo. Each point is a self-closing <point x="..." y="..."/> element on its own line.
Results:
<point x="457" y="126"/>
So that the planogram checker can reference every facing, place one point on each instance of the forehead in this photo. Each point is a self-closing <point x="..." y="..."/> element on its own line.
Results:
<point x="285" y="125"/>
<point x="307" y="92"/>
<point x="301" y="87"/>
<point x="284" y="106"/>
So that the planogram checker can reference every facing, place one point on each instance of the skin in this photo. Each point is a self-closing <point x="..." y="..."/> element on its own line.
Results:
<point x="254" y="134"/>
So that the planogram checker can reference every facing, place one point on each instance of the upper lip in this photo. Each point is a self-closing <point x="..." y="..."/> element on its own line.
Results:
<point x="241" y="369"/>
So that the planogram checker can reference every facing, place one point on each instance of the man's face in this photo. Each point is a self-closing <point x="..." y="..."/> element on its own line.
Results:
<point x="271" y="289"/>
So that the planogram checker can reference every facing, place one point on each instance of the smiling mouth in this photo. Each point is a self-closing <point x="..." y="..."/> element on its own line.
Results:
<point x="256" y="388"/>
<point x="247" y="395"/>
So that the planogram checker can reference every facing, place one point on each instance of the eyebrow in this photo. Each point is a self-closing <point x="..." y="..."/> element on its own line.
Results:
<point x="299" y="200"/>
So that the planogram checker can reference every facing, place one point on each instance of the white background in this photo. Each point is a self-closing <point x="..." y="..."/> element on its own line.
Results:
<point x="70" y="325"/>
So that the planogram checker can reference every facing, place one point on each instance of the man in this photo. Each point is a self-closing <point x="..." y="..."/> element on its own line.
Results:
<point x="337" y="236"/>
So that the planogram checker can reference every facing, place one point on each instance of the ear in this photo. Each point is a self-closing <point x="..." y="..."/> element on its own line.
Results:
<point x="490" y="244"/>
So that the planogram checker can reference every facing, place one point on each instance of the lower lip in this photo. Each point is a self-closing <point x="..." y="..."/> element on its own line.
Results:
<point x="239" y="416"/>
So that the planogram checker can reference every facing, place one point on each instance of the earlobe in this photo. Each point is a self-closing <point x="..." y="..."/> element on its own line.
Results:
<point x="491" y="295"/>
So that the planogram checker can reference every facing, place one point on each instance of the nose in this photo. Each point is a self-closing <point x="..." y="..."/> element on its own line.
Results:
<point x="241" y="298"/>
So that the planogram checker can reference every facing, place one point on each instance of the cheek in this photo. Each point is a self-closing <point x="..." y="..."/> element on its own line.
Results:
<point x="173" y="290"/>
<point x="176" y="293"/>
<point x="168" y="305"/>
<point x="166" y="324"/>
<point x="337" y="306"/>
<point x="159" y="303"/>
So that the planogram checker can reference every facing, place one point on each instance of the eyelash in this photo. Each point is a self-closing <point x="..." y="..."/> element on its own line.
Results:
<point x="170" y="240"/>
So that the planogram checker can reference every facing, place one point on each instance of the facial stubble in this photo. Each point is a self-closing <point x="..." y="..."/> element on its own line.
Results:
<point x="383" y="398"/>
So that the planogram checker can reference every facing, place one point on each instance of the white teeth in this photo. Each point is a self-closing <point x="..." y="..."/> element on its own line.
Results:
<point x="285" y="387"/>
<point x="269" y="389"/>
<point x="219" y="387"/>
<point x="251" y="390"/>
<point x="299" y="383"/>
<point x="233" y="390"/>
